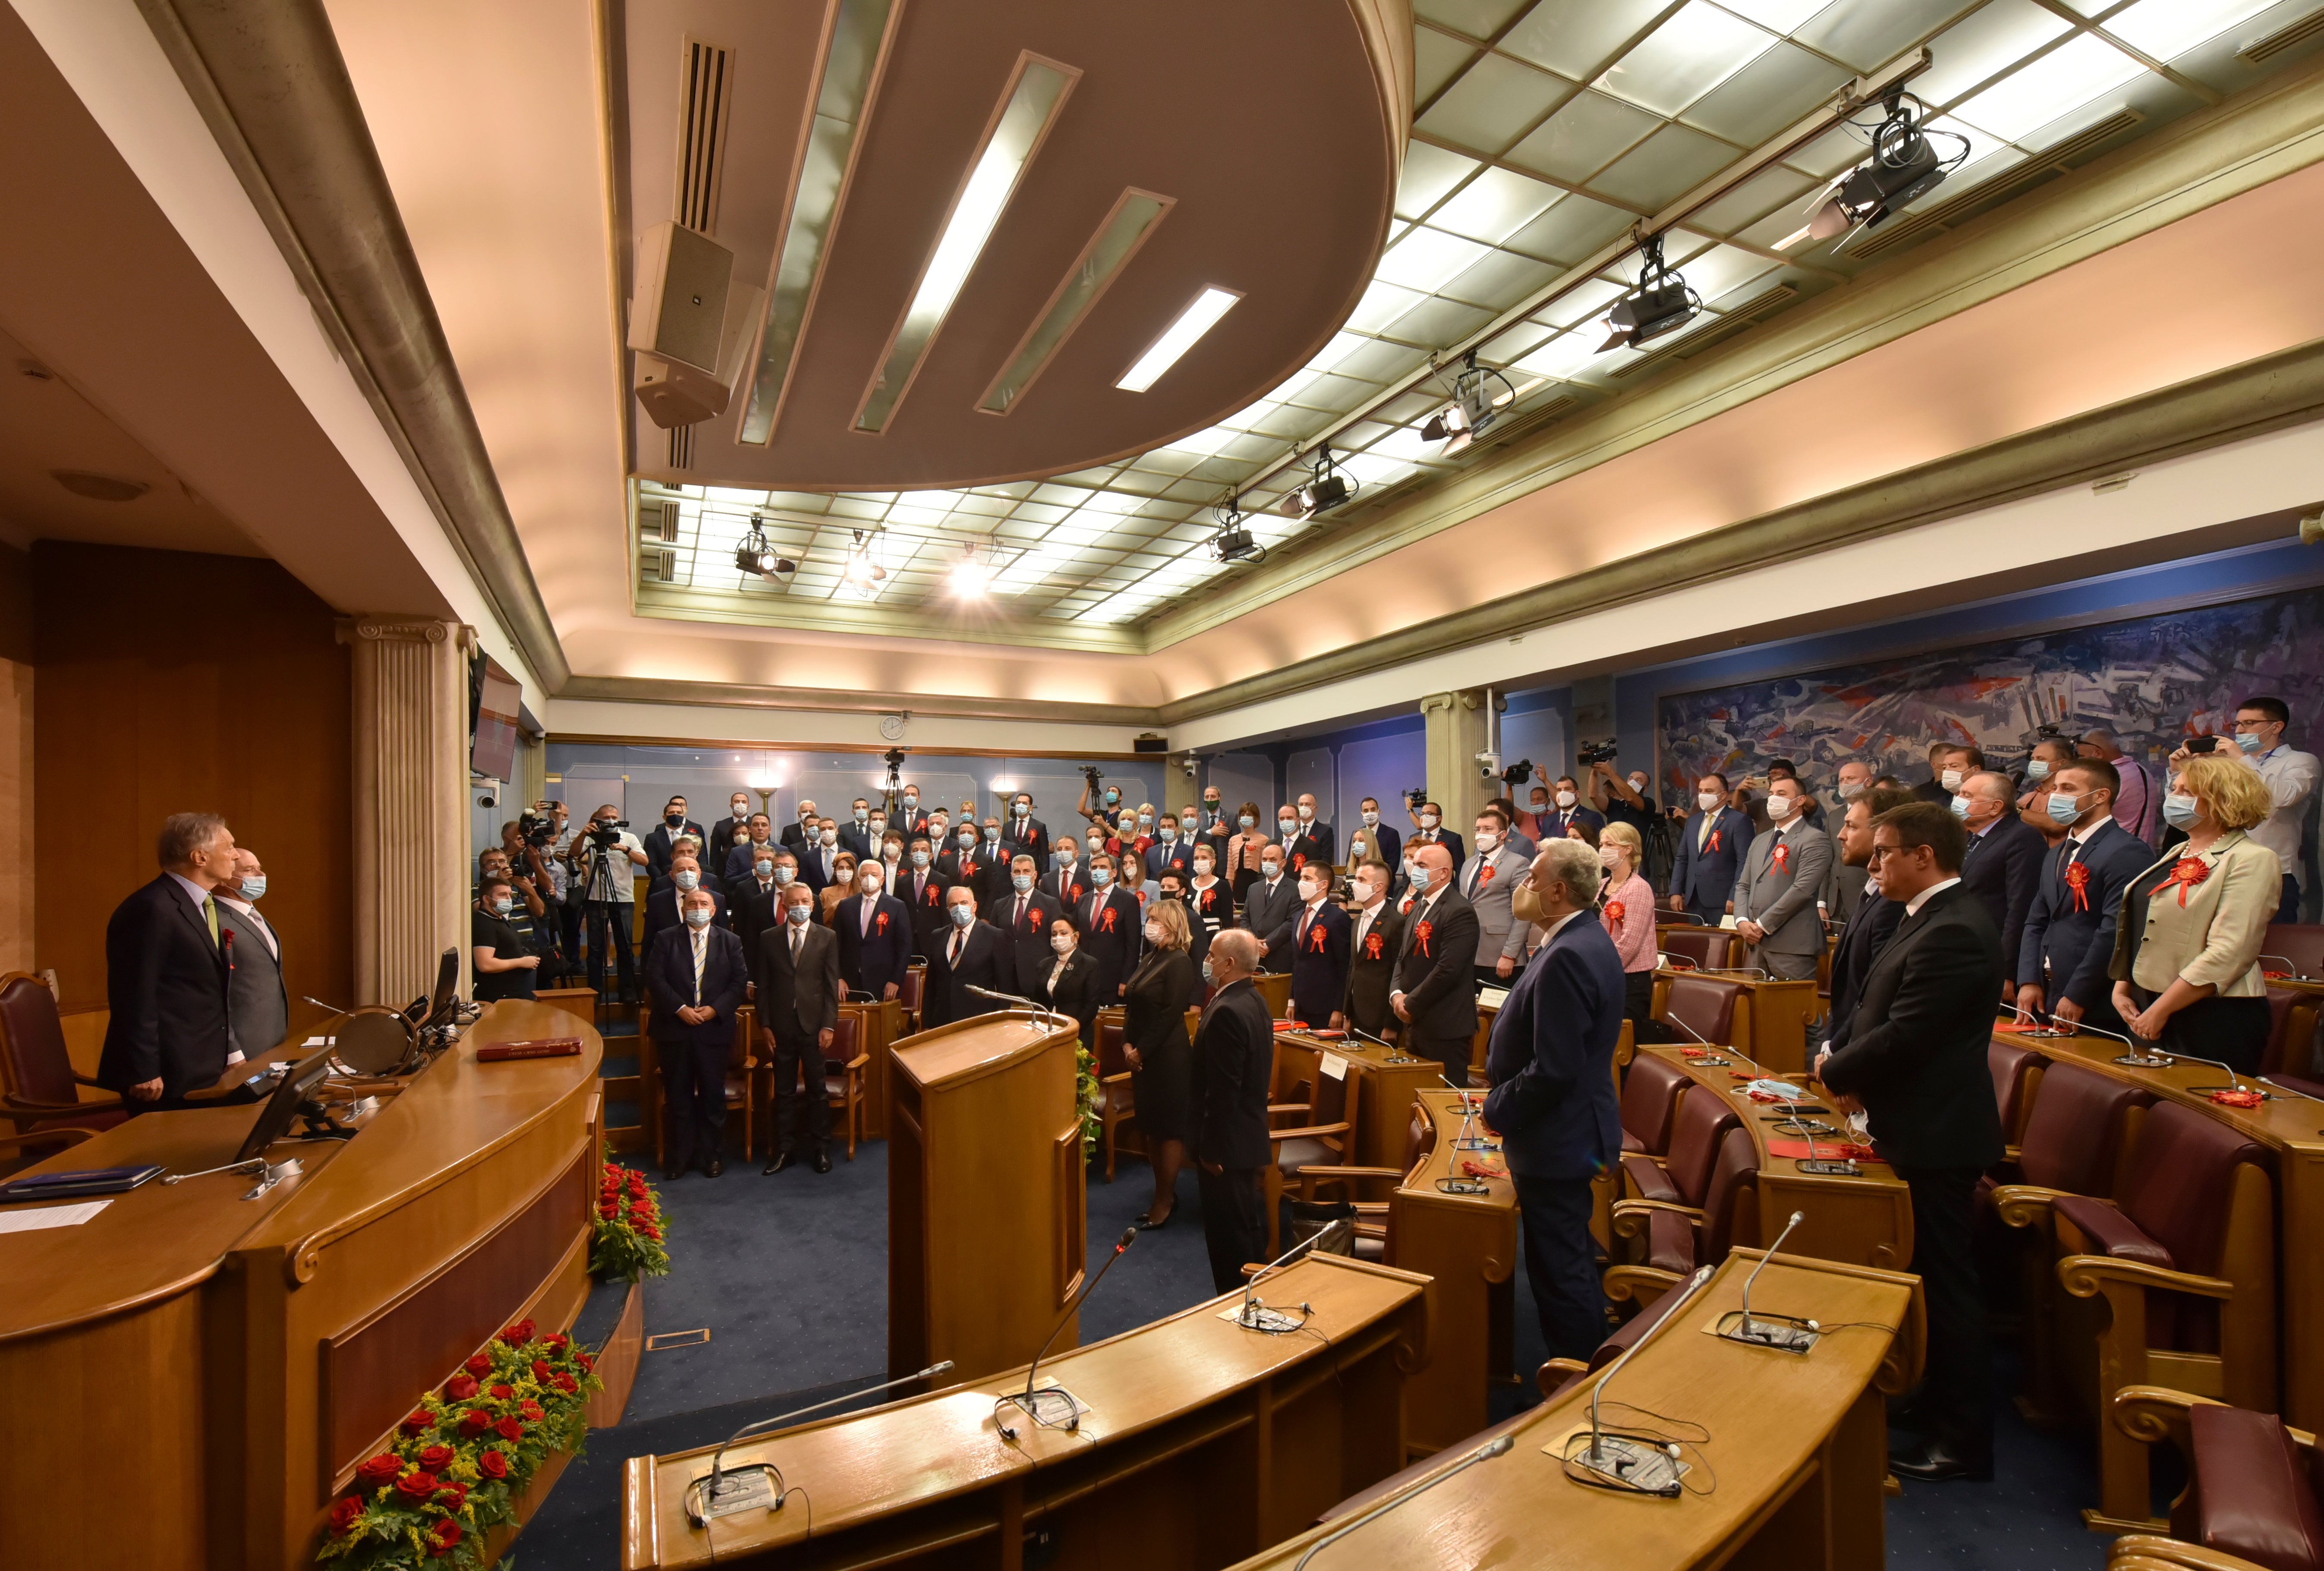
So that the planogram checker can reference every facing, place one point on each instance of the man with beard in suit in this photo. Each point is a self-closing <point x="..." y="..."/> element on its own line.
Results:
<point x="2068" y="940"/>
<point x="1436" y="991"/>
<point x="1375" y="942"/>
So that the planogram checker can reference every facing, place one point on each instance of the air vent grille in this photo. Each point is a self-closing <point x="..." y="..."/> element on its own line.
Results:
<point x="658" y="521"/>
<point x="703" y="96"/>
<point x="681" y="446"/>
<point x="2260" y="50"/>
<point x="2045" y="165"/>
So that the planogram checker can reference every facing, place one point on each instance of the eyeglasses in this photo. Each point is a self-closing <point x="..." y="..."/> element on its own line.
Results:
<point x="1880" y="851"/>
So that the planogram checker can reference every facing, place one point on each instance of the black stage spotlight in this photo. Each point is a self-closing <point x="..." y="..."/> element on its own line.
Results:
<point x="1659" y="303"/>
<point x="1904" y="167"/>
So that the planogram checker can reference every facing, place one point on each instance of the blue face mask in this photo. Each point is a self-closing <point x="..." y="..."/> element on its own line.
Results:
<point x="2062" y="808"/>
<point x="1020" y="882"/>
<point x="782" y="875"/>
<point x="697" y="918"/>
<point x="254" y="886"/>
<point x="1418" y="875"/>
<point x="503" y="905"/>
<point x="2180" y="812"/>
<point x="797" y="913"/>
<point x="685" y="880"/>
<point x="2037" y="769"/>
<point x="962" y="916"/>
<point x="1062" y="858"/>
<point x="1113" y="796"/>
<point x="993" y="831"/>
<point x="2249" y="741"/>
<point x="1101" y="876"/>
<point x="1170" y="833"/>
<point x="1960" y="807"/>
<point x="919" y="859"/>
<point x="1206" y="968"/>
<point x="764" y="869"/>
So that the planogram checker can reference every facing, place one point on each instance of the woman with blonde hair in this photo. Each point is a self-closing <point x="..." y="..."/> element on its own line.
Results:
<point x="2187" y="947"/>
<point x="1155" y="1001"/>
<point x="1628" y="909"/>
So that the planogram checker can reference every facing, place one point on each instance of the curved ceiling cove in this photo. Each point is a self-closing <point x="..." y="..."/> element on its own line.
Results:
<point x="956" y="229"/>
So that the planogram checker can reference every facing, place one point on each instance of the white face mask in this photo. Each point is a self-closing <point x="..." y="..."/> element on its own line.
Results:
<point x="1153" y="932"/>
<point x="1428" y="820"/>
<point x="869" y="885"/>
<point x="1566" y="798"/>
<point x="1638" y="784"/>
<point x="1310" y="891"/>
<point x="879" y="828"/>
<point x="1306" y="813"/>
<point x="1951" y="780"/>
<point x="1487" y="840"/>
<point x="829" y="837"/>
<point x="1782" y="807"/>
<point x="1367" y="892"/>
<point x="1063" y="943"/>
<point x="1371" y="817"/>
<point x="1708" y="800"/>
<point x="685" y="879"/>
<point x="739" y="810"/>
<point x="1203" y="868"/>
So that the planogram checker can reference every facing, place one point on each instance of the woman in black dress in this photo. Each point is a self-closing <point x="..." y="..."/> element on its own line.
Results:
<point x="1161" y="1058"/>
<point x="1070" y="982"/>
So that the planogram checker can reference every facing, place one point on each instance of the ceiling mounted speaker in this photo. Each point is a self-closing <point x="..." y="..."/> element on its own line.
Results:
<point x="675" y="394"/>
<point x="679" y="312"/>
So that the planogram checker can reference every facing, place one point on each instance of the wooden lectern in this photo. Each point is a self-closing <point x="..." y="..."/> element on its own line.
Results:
<point x="987" y="1225"/>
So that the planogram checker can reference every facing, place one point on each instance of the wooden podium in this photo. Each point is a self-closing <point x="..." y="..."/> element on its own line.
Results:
<point x="987" y="1221"/>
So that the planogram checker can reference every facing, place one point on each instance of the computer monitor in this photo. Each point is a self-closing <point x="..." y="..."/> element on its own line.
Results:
<point x="437" y="1007"/>
<point x="275" y="1118"/>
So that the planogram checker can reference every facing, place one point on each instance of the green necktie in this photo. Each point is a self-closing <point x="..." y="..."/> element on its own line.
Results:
<point x="209" y="916"/>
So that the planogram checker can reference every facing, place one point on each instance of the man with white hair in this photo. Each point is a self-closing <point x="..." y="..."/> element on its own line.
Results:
<point x="1550" y="1068"/>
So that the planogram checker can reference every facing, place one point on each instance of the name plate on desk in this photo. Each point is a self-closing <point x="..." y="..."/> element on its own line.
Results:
<point x="540" y="1047"/>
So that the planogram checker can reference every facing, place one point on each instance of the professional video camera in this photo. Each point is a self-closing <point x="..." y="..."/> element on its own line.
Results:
<point x="1417" y="797"/>
<point x="1518" y="773"/>
<point x="1596" y="753"/>
<point x="1092" y="773"/>
<point x="607" y="836"/>
<point x="537" y="827"/>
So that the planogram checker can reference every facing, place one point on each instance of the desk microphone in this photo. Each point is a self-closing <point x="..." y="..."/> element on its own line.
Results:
<point x="1736" y="971"/>
<point x="1048" y="1011"/>
<point x="742" y="1495"/>
<point x="1500" y="1446"/>
<point x="1463" y="1140"/>
<point x="1030" y="1402"/>
<point x="2141" y="1055"/>
<point x="2297" y="975"/>
<point x="1628" y="1462"/>
<point x="1715" y="1047"/>
<point x="1796" y="1338"/>
<point x="1675" y="962"/>
<point x="1255" y="1316"/>
<point x="1396" y="1055"/>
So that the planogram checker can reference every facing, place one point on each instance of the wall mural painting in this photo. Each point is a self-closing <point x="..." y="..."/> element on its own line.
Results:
<point x="2150" y="681"/>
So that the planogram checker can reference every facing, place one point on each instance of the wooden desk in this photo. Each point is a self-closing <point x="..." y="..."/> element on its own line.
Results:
<point x="1771" y="1018"/>
<point x="1203" y="1441"/>
<point x="987" y="1211"/>
<point x="1793" y="1465"/>
<point x="883" y="1025"/>
<point x="2291" y="1130"/>
<point x="1866" y="1220"/>
<point x="231" y="1361"/>
<point x="1469" y="1244"/>
<point x="1387" y="1080"/>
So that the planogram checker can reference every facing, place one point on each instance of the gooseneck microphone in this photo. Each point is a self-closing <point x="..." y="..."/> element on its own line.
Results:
<point x="741" y="1496"/>
<point x="1701" y="1040"/>
<point x="1622" y="1460"/>
<point x="1255" y="1316"/>
<point x="1796" y="1338"/>
<point x="1500" y="1446"/>
<point x="1030" y="1401"/>
<point x="1047" y="1012"/>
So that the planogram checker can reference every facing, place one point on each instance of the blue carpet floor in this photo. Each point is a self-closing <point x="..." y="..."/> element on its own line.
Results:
<point x="789" y="1275"/>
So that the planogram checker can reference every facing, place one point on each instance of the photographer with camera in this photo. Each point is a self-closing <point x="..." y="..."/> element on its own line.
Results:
<point x="606" y="858"/>
<point x="1428" y="827"/>
<point x="1100" y="803"/>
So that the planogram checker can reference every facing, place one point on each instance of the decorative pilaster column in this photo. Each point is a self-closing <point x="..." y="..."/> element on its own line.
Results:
<point x="411" y="801"/>
<point x="1456" y="734"/>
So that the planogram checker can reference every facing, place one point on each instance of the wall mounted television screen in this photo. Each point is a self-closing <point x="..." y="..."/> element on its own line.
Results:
<point x="492" y="746"/>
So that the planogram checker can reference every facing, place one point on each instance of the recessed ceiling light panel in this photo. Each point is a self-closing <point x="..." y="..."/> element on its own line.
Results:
<point x="1197" y="319"/>
<point x="1135" y="216"/>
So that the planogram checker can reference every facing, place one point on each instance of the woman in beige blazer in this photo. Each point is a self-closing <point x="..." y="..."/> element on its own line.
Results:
<point x="2187" y="947"/>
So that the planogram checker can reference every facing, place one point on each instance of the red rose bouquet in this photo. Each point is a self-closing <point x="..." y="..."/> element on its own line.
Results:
<point x="453" y="1470"/>
<point x="628" y="1242"/>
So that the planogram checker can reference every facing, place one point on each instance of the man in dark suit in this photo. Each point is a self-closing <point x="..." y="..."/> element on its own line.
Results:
<point x="259" y="1008"/>
<point x="1212" y="826"/>
<point x="2068" y="940"/>
<point x="758" y="902"/>
<point x="1436" y="991"/>
<point x="875" y="938"/>
<point x="798" y="987"/>
<point x="661" y="841"/>
<point x="1948" y="766"/>
<point x="818" y="863"/>
<point x="742" y="856"/>
<point x="1269" y="906"/>
<point x="799" y="836"/>
<point x="909" y="817"/>
<point x="166" y="972"/>
<point x="2003" y="864"/>
<point x="985" y="870"/>
<point x="1112" y="928"/>
<point x="1872" y="923"/>
<point x="921" y="888"/>
<point x="1711" y="850"/>
<point x="1566" y="809"/>
<point x="1430" y="830"/>
<point x="1234" y="1055"/>
<point x="1319" y="949"/>
<point x="663" y="907"/>
<point x="1375" y="942"/>
<point x="952" y="864"/>
<point x="728" y="833"/>
<point x="971" y="954"/>
<point x="1024" y="914"/>
<point x="1316" y="832"/>
<point x="695" y="976"/>
<point x="1551" y="1067"/>
<point x="1298" y="846"/>
<point x="1067" y="881"/>
<point x="855" y="834"/>
<point x="1373" y="841"/>
<point x="1023" y="835"/>
<point x="1915" y="1066"/>
<point x="1171" y="852"/>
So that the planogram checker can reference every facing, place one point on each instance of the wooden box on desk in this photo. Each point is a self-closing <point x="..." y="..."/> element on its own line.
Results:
<point x="986" y="1219"/>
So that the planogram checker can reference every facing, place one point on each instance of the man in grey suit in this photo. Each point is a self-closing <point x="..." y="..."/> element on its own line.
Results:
<point x="1486" y="882"/>
<point x="1269" y="906"/>
<point x="258" y="1014"/>
<point x="1776" y="895"/>
<point x="796" y="978"/>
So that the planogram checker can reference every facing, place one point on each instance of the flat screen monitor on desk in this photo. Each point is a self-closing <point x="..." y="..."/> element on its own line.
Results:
<point x="436" y="1009"/>
<point x="294" y="1088"/>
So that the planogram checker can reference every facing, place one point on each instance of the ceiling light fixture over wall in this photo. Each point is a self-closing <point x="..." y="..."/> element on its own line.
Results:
<point x="1474" y="406"/>
<point x="1199" y="317"/>
<point x="1233" y="543"/>
<point x="970" y="576"/>
<point x="1660" y="302"/>
<point x="1328" y="486"/>
<point x="1904" y="167"/>
<point x="863" y="576"/>
<point x="1036" y="93"/>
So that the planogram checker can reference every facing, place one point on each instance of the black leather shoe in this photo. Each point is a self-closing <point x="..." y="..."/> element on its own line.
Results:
<point x="673" y="1175"/>
<point x="1938" y="1461"/>
<point x="823" y="1162"/>
<point x="1148" y="1224"/>
<point x="717" y="1165"/>
<point x="782" y="1159"/>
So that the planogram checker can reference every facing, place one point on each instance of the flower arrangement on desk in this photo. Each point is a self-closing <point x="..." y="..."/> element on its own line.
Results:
<point x="628" y="1240"/>
<point x="1085" y="1099"/>
<point x="456" y="1467"/>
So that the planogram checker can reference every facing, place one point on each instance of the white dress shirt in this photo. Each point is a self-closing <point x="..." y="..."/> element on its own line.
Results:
<point x="2291" y="777"/>
<point x="249" y="913"/>
<point x="1913" y="906"/>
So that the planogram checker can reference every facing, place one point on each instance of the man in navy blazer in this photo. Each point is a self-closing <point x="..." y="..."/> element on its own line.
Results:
<point x="2068" y="940"/>
<point x="663" y="898"/>
<point x="1112" y="927"/>
<point x="1711" y="850"/>
<point x="693" y="1026"/>
<point x="2004" y="864"/>
<point x="166" y="973"/>
<point x="1319" y="949"/>
<point x="661" y="840"/>
<point x="1551" y="1067"/>
<point x="875" y="938"/>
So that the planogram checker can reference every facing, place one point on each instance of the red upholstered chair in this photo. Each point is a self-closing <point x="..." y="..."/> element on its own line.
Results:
<point x="2255" y="1492"/>
<point x="1322" y="1137"/>
<point x="1679" y="1238"/>
<point x="1372" y="1241"/>
<point x="1702" y="1009"/>
<point x="1705" y="949"/>
<point x="2016" y="1075"/>
<point x="2300" y="943"/>
<point x="740" y="1061"/>
<point x="37" y="1077"/>
<point x="1681" y="1177"/>
<point x="2174" y="1286"/>
<point x="21" y="1150"/>
<point x="2081" y="1129"/>
<point x="914" y="990"/>
<point x="2292" y="1031"/>
<point x="843" y="1063"/>
<point x="1649" y="1098"/>
<point x="1117" y="1095"/>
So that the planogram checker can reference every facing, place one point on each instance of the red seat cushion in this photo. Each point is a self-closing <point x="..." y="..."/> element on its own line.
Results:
<point x="1671" y="1243"/>
<point x="2111" y="1233"/>
<point x="1650" y="1181"/>
<point x="2253" y="1497"/>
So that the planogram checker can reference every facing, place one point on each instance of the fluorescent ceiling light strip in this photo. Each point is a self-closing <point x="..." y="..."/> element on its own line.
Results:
<point x="1197" y="319"/>
<point x="1135" y="215"/>
<point x="1031" y="107"/>
<point x="850" y="68"/>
